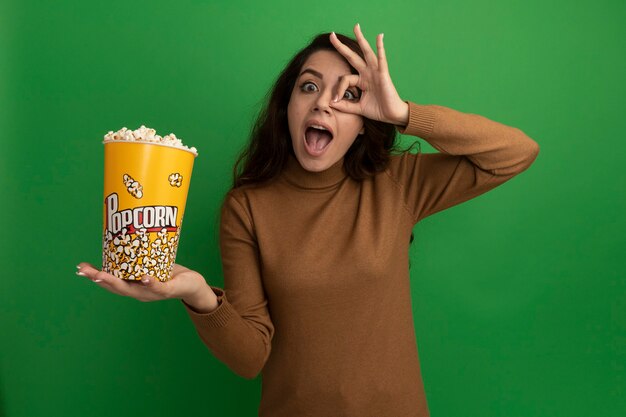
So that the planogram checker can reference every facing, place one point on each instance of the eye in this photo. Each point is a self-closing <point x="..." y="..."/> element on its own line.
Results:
<point x="354" y="96"/>
<point x="304" y="86"/>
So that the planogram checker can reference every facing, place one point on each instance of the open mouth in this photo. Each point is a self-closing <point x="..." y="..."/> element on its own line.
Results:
<point x="317" y="140"/>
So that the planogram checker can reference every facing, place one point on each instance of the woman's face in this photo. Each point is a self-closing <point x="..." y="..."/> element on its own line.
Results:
<point x="314" y="89"/>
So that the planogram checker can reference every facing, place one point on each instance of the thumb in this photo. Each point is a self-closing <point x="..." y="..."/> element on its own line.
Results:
<point x="147" y="280"/>
<point x="162" y="289"/>
<point x="154" y="284"/>
<point x="346" y="107"/>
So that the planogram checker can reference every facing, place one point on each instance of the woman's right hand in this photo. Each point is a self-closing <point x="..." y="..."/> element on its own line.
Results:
<point x="184" y="284"/>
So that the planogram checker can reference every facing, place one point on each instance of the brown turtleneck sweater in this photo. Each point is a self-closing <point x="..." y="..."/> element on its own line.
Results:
<point x="316" y="270"/>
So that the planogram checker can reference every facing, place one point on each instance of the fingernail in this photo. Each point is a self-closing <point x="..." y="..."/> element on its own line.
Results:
<point x="336" y="98"/>
<point x="96" y="280"/>
<point x="82" y="274"/>
<point x="77" y="266"/>
<point x="145" y="280"/>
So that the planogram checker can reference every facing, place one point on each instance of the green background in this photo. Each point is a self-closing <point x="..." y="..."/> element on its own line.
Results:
<point x="519" y="295"/>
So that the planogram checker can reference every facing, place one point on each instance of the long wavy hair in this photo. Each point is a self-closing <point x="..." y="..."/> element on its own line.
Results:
<point x="265" y="155"/>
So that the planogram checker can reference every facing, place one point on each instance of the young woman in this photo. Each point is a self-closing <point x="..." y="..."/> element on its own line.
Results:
<point x="314" y="234"/>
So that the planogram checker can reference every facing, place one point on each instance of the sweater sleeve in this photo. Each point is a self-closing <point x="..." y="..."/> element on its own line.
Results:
<point x="239" y="331"/>
<point x="476" y="155"/>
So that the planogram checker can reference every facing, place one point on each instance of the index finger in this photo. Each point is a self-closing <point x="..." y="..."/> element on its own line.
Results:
<point x="353" y="58"/>
<point x="88" y="270"/>
<point x="110" y="282"/>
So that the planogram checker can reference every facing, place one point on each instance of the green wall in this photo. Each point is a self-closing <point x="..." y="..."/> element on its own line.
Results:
<point x="518" y="295"/>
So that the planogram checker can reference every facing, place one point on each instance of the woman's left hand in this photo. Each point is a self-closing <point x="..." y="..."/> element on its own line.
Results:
<point x="379" y="99"/>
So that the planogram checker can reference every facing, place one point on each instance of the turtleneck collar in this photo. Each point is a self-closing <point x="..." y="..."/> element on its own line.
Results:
<point x="295" y="174"/>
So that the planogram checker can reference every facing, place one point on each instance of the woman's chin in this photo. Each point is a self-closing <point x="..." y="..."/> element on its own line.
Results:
<point x="314" y="163"/>
<point x="313" y="166"/>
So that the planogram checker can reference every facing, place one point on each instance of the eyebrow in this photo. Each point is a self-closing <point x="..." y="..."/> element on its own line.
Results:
<point x="312" y="71"/>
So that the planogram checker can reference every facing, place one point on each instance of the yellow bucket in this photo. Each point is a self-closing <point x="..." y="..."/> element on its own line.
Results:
<point x="145" y="192"/>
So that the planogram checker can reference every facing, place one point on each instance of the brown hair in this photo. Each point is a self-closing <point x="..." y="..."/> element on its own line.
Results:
<point x="266" y="153"/>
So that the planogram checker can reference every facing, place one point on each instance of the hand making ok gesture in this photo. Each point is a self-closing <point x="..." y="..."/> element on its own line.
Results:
<point x="379" y="99"/>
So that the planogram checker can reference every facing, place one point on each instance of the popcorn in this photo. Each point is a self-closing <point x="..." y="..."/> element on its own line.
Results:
<point x="144" y="200"/>
<point x="146" y="134"/>
<point x="175" y="179"/>
<point x="133" y="254"/>
<point x="133" y="187"/>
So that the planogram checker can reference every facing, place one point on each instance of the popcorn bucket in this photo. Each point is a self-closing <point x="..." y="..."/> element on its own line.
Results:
<point x="145" y="191"/>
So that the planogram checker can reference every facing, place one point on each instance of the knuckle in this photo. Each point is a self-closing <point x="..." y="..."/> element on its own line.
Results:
<point x="163" y="289"/>
<point x="155" y="291"/>
<point x="101" y="275"/>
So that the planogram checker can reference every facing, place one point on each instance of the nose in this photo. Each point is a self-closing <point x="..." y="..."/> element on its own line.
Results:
<point x="322" y="102"/>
